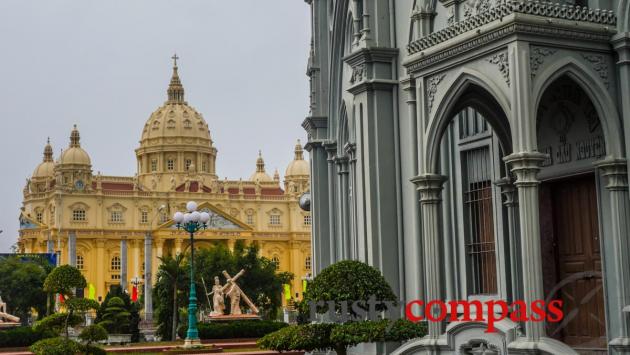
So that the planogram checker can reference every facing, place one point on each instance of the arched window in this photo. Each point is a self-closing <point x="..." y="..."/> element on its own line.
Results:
<point x="115" y="264"/>
<point x="78" y="215"/>
<point x="308" y="263"/>
<point x="276" y="260"/>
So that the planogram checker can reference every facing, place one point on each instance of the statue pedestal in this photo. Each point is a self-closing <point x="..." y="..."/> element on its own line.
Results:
<point x="232" y="317"/>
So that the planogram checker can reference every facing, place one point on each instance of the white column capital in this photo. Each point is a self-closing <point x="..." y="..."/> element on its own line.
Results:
<point x="525" y="165"/>
<point x="430" y="187"/>
<point x="615" y="170"/>
<point x="508" y="190"/>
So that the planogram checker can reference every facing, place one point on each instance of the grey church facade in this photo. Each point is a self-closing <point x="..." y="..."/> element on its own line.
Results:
<point x="477" y="150"/>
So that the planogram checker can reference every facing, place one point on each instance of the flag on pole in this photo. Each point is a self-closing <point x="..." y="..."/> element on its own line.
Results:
<point x="287" y="292"/>
<point x="134" y="293"/>
<point x="92" y="292"/>
<point x="304" y="283"/>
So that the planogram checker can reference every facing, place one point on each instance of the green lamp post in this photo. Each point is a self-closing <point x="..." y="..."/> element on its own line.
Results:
<point x="192" y="222"/>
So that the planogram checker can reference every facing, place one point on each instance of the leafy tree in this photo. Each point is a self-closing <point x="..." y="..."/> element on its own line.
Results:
<point x="64" y="280"/>
<point x="261" y="282"/>
<point x="169" y="294"/>
<point x="134" y="317"/>
<point x="349" y="281"/>
<point x="92" y="334"/>
<point x="116" y="316"/>
<point x="22" y="286"/>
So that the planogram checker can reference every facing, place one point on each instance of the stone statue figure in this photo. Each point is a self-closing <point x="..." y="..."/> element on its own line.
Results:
<point x="218" y="305"/>
<point x="235" y="300"/>
<point x="3" y="306"/>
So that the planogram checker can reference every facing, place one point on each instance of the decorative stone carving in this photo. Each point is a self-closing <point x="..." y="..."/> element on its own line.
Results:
<point x="599" y="64"/>
<point x="478" y="18"/>
<point x="502" y="62"/>
<point x="432" y="86"/>
<point x="358" y="73"/>
<point x="537" y="57"/>
<point x="218" y="304"/>
<point x="234" y="292"/>
<point x="476" y="7"/>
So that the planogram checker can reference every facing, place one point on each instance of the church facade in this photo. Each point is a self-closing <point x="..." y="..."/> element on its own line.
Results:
<point x="115" y="228"/>
<point x="477" y="150"/>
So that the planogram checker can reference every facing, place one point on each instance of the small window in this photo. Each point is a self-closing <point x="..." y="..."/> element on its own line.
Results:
<point x="163" y="217"/>
<point x="170" y="164"/>
<point x="78" y="215"/>
<point x="115" y="264"/>
<point x="307" y="220"/>
<point x="80" y="262"/>
<point x="144" y="217"/>
<point x="39" y="216"/>
<point x="204" y="167"/>
<point x="188" y="163"/>
<point x="187" y="124"/>
<point x="250" y="219"/>
<point x="308" y="263"/>
<point x="274" y="220"/>
<point x="115" y="276"/>
<point x="154" y="165"/>
<point x="116" y="217"/>
<point x="276" y="260"/>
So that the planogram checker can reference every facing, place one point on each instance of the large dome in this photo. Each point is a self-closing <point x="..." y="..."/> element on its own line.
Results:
<point x="299" y="166"/>
<point x="175" y="122"/>
<point x="75" y="155"/>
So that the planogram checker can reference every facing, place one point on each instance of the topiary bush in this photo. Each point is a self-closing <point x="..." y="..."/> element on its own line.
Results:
<point x="23" y="336"/>
<point x="339" y="337"/>
<point x="116" y="316"/>
<point x="57" y="322"/>
<point x="92" y="334"/>
<point x="347" y="282"/>
<point x="55" y="346"/>
<point x="234" y="329"/>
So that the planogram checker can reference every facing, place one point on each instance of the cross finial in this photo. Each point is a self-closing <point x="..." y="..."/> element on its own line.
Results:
<point x="175" y="58"/>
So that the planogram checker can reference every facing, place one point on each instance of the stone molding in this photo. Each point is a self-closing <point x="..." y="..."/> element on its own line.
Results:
<point x="432" y="87"/>
<point x="537" y="57"/>
<point x="527" y="7"/>
<point x="525" y="166"/>
<point x="600" y="65"/>
<point x="616" y="173"/>
<point x="503" y="64"/>
<point x="430" y="187"/>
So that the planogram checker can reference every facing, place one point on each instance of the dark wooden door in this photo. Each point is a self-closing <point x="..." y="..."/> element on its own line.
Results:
<point x="576" y="232"/>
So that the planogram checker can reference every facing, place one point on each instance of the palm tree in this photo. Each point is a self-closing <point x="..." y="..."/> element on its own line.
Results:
<point x="171" y="271"/>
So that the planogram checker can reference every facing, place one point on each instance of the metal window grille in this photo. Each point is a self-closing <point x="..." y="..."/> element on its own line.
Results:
<point x="480" y="246"/>
<point x="78" y="215"/>
<point x="115" y="264"/>
<point x="274" y="219"/>
<point x="170" y="164"/>
<point x="307" y="220"/>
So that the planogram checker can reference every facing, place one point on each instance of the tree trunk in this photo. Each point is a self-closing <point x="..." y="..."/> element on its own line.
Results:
<point x="175" y="313"/>
<point x="66" y="324"/>
<point x="341" y="350"/>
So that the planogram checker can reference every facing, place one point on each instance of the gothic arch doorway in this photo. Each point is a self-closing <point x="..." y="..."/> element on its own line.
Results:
<point x="570" y="132"/>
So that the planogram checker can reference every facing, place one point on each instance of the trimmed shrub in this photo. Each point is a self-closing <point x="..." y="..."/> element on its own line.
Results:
<point x="56" y="322"/>
<point x="234" y="329"/>
<point x="23" y="336"/>
<point x="55" y="346"/>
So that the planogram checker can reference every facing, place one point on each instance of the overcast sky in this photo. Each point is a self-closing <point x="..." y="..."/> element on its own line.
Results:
<point x="105" y="65"/>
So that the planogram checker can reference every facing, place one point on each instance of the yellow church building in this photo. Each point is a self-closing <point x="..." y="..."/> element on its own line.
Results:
<point x="115" y="228"/>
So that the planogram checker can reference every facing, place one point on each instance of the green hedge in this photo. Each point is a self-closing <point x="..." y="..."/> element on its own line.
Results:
<point x="234" y="329"/>
<point x="22" y="336"/>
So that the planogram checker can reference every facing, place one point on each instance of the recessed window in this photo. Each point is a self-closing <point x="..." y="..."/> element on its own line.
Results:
<point x="39" y="216"/>
<point x="187" y="124"/>
<point x="204" y="167"/>
<point x="163" y="217"/>
<point x="116" y="217"/>
<point x="276" y="260"/>
<point x="80" y="262"/>
<point x="274" y="220"/>
<point x="170" y="164"/>
<point x="307" y="220"/>
<point x="115" y="276"/>
<point x="144" y="216"/>
<point x="115" y="264"/>
<point x="250" y="219"/>
<point x="188" y="163"/>
<point x="308" y="263"/>
<point x="78" y="215"/>
<point x="154" y="165"/>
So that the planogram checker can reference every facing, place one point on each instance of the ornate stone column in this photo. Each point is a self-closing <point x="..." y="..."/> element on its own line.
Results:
<point x="615" y="173"/>
<point x="430" y="187"/>
<point x="525" y="166"/>
<point x="72" y="248"/>
<point x="344" y="225"/>
<point x="123" y="263"/>
<point x="335" y="247"/>
<point x="510" y="201"/>
<point x="148" y="277"/>
<point x="100" y="272"/>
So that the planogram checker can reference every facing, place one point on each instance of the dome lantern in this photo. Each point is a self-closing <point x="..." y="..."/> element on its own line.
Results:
<point x="175" y="89"/>
<point x="298" y="167"/>
<point x="46" y="167"/>
<point x="260" y="175"/>
<point x="75" y="155"/>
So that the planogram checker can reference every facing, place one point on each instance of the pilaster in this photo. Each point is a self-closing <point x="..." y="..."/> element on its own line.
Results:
<point x="123" y="263"/>
<point x="430" y="187"/>
<point x="510" y="201"/>
<point x="148" y="277"/>
<point x="615" y="173"/>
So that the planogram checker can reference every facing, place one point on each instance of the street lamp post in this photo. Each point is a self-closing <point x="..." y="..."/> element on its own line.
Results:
<point x="192" y="222"/>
